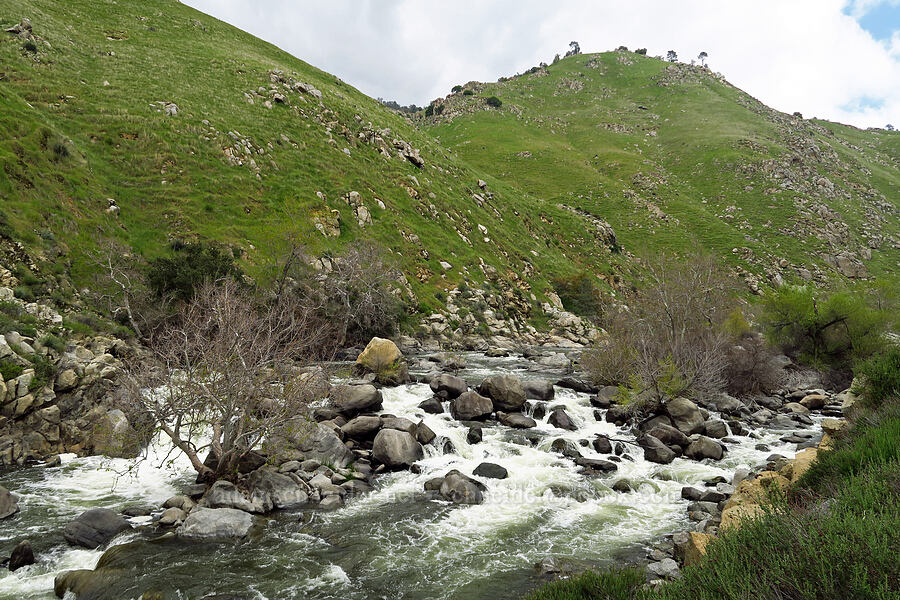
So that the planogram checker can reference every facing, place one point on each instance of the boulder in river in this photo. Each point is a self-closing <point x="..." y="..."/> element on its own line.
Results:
<point x="560" y="418"/>
<point x="566" y="448"/>
<point x="363" y="427"/>
<point x="704" y="447"/>
<point x="602" y="445"/>
<point x="8" y="504"/>
<point x="516" y="420"/>
<point x="473" y="436"/>
<point x="424" y="433"/>
<point x="685" y="415"/>
<point x="22" y="556"/>
<point x="224" y="494"/>
<point x="491" y="471"/>
<point x="95" y="527"/>
<point x="505" y="391"/>
<point x="578" y="385"/>
<point x="618" y="415"/>
<point x="471" y="406"/>
<point x="314" y="441"/>
<point x="396" y="449"/>
<point x="460" y="489"/>
<point x="114" y="436"/>
<point x="448" y="386"/>
<point x="655" y="451"/>
<point x="716" y="428"/>
<point x="383" y="358"/>
<point x="538" y="389"/>
<point x="432" y="406"/>
<point x="669" y="436"/>
<point x="350" y="400"/>
<point x="211" y="523"/>
<point x="281" y="490"/>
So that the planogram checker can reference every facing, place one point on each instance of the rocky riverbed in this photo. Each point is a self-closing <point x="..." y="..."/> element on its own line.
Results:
<point x="456" y="500"/>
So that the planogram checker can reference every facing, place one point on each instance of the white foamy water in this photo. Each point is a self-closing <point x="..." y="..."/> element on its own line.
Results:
<point x="392" y="542"/>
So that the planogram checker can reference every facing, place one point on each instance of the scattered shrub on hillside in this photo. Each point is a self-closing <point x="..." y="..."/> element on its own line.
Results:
<point x="10" y="370"/>
<point x="580" y="295"/>
<point x="828" y="330"/>
<point x="468" y="92"/>
<point x="30" y="46"/>
<point x="6" y="229"/>
<point x="60" y="150"/>
<point x="24" y="293"/>
<point x="671" y="341"/>
<point x="642" y="51"/>
<point x="56" y="343"/>
<point x="494" y="101"/>
<point x="44" y="371"/>
<point x="456" y="89"/>
<point x="178" y="276"/>
<point x="429" y="110"/>
<point x="879" y="378"/>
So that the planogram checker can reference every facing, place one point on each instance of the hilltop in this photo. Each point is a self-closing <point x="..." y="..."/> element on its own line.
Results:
<point x="674" y="158"/>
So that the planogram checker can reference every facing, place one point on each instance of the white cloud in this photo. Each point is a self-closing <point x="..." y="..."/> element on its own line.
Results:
<point x="804" y="55"/>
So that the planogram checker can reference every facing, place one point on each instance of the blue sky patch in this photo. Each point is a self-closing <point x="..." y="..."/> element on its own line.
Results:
<point x="881" y="20"/>
<point x="863" y="104"/>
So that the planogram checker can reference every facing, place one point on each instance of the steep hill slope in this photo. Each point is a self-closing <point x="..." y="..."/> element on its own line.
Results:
<point x="674" y="157"/>
<point x="149" y="122"/>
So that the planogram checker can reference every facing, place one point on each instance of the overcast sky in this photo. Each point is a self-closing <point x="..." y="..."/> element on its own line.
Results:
<point x="834" y="59"/>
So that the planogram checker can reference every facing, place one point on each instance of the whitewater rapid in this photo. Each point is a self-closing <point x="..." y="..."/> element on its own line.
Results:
<point x="392" y="542"/>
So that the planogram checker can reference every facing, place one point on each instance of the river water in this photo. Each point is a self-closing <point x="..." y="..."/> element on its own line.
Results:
<point x="390" y="543"/>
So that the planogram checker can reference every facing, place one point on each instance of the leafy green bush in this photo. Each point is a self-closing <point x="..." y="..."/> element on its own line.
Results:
<point x="9" y="370"/>
<point x="880" y="378"/>
<point x="826" y="330"/>
<point x="56" y="343"/>
<point x="44" y="371"/>
<point x="494" y="101"/>
<point x="24" y="293"/>
<point x="456" y="89"/>
<point x="606" y="585"/>
<point x="580" y="295"/>
<point x="190" y="265"/>
<point x="468" y="92"/>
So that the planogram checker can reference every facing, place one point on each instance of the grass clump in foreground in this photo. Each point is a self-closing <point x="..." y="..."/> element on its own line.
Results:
<point x="834" y="535"/>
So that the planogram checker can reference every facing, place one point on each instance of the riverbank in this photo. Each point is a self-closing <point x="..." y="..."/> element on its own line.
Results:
<point x="831" y="533"/>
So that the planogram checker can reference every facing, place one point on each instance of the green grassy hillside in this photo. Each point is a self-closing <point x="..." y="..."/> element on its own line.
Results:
<point x="150" y="123"/>
<point x="260" y="145"/>
<point x="675" y="158"/>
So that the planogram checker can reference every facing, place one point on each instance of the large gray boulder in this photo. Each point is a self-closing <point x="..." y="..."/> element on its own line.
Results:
<point x="655" y="451"/>
<point x="396" y="449"/>
<point x="281" y="490"/>
<point x="94" y="528"/>
<point x="314" y="441"/>
<point x="716" y="428"/>
<point x="350" y="400"/>
<point x="362" y="427"/>
<point x="704" y="447"/>
<point x="448" y="386"/>
<point x="8" y="504"/>
<point x="516" y="420"/>
<point x="22" y="556"/>
<point x="505" y="391"/>
<point x="669" y="436"/>
<point x="383" y="358"/>
<point x="460" y="489"/>
<point x="491" y="471"/>
<point x="112" y="435"/>
<point x="538" y="389"/>
<point x="560" y="418"/>
<point x="471" y="406"/>
<point x="224" y="494"/>
<point x="685" y="415"/>
<point x="212" y="523"/>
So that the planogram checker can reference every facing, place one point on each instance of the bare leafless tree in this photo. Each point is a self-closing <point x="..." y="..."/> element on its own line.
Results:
<point x="225" y="374"/>
<point x="120" y="285"/>
<point x="670" y="341"/>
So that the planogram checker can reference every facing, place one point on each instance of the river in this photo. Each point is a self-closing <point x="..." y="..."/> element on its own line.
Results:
<point x="392" y="542"/>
